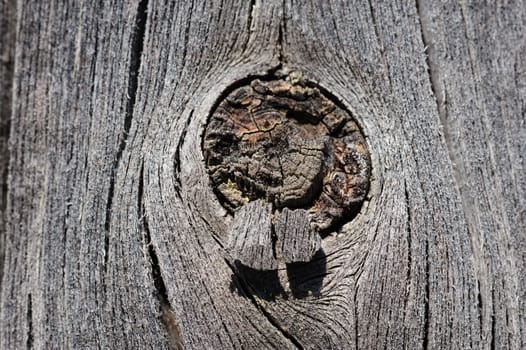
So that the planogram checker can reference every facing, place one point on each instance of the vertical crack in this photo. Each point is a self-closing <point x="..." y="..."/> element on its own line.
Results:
<point x="480" y="306"/>
<point x="427" y="301"/>
<point x="29" y="343"/>
<point x="137" y="45"/>
<point x="280" y="45"/>
<point x="136" y="48"/>
<point x="250" y="18"/>
<point x="409" y="258"/>
<point x="431" y="69"/>
<point x="177" y="156"/>
<point x="172" y="328"/>
<point x="438" y="92"/>
<point x="493" y="322"/>
<point x="251" y="9"/>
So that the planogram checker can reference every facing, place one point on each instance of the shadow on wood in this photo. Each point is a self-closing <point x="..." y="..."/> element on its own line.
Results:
<point x="303" y="279"/>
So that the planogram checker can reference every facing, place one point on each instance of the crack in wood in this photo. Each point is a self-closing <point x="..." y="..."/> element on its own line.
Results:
<point x="427" y="312"/>
<point x="250" y="17"/>
<point x="408" y="213"/>
<point x="136" y="49"/>
<point x="434" y="80"/>
<point x="29" y="317"/>
<point x="177" y="156"/>
<point x="493" y="323"/>
<point x="480" y="307"/>
<point x="168" y="318"/>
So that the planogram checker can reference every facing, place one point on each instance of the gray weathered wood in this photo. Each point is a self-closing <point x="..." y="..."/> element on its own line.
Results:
<point x="72" y="278"/>
<point x="250" y="236"/>
<point x="479" y="80"/>
<point x="298" y="242"/>
<point x="7" y="44"/>
<point x="115" y="238"/>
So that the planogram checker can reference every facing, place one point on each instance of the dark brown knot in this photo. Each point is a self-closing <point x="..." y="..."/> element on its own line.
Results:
<point x="290" y="145"/>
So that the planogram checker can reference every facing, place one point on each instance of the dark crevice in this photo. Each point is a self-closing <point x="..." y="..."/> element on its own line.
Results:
<point x="375" y="26"/>
<point x="409" y="258"/>
<point x="162" y="294"/>
<point x="282" y="28"/>
<point x="156" y="270"/>
<point x="29" y="343"/>
<point x="480" y="307"/>
<point x="7" y="65"/>
<point x="136" y="48"/>
<point x="177" y="156"/>
<point x="247" y="291"/>
<point x="493" y="321"/>
<point x="276" y="252"/>
<point x="137" y="40"/>
<point x="251" y="8"/>
<point x="186" y="45"/>
<point x="302" y="117"/>
<point x="427" y="301"/>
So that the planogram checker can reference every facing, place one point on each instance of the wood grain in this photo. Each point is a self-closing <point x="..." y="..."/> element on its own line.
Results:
<point x="479" y="80"/>
<point x="71" y="280"/>
<point x="250" y="237"/>
<point x="116" y="239"/>
<point x="7" y="45"/>
<point x="298" y="241"/>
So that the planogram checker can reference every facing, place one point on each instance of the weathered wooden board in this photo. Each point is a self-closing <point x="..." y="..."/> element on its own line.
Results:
<point x="479" y="80"/>
<point x="7" y="41"/>
<point x="71" y="280"/>
<point x="115" y="238"/>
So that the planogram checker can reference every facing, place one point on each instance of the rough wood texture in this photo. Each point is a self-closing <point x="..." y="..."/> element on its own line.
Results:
<point x="250" y="239"/>
<point x="7" y="45"/>
<point x="72" y="278"/>
<point x="298" y="242"/>
<point x="116" y="239"/>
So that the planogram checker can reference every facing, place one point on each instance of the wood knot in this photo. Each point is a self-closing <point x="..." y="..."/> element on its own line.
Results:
<point x="289" y="144"/>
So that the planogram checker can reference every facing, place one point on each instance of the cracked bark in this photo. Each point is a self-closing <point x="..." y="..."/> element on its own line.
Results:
<point x="115" y="238"/>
